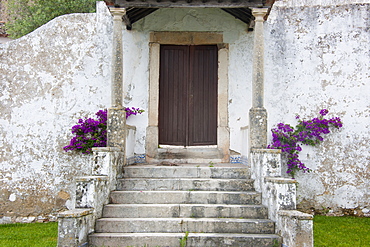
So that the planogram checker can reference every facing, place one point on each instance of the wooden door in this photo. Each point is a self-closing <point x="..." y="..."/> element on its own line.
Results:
<point x="188" y="95"/>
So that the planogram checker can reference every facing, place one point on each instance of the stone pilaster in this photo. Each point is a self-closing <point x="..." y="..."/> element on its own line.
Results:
<point x="258" y="114"/>
<point x="116" y="125"/>
<point x="257" y="128"/>
<point x="116" y="128"/>
<point x="117" y="63"/>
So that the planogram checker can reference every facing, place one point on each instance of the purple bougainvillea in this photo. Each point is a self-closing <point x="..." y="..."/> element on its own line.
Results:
<point x="91" y="133"/>
<point x="133" y="111"/>
<point x="287" y="138"/>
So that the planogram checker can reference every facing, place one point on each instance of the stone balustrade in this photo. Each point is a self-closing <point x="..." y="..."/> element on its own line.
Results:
<point x="279" y="195"/>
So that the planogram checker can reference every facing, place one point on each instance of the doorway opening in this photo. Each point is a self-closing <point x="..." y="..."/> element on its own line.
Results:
<point x="182" y="141"/>
<point x="188" y="95"/>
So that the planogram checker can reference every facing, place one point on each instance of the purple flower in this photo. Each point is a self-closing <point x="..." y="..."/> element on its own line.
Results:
<point x="286" y="138"/>
<point x="91" y="133"/>
<point x="133" y="111"/>
<point x="323" y="112"/>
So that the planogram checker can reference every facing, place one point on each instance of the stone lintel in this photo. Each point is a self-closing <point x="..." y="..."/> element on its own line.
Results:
<point x="187" y="38"/>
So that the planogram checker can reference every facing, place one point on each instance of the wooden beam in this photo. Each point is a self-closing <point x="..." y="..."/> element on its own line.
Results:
<point x="127" y="22"/>
<point x="243" y="14"/>
<point x="191" y="4"/>
<point x="135" y="14"/>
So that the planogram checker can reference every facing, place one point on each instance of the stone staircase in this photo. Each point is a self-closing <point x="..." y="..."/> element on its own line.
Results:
<point x="185" y="205"/>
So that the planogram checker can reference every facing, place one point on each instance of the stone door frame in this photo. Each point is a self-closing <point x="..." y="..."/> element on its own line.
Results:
<point x="187" y="38"/>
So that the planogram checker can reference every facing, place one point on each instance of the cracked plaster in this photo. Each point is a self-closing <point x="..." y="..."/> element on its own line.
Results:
<point x="49" y="79"/>
<point x="315" y="57"/>
<point x="318" y="58"/>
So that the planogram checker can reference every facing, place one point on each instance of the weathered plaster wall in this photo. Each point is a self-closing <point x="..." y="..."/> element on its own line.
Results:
<point x="318" y="57"/>
<point x="49" y="79"/>
<point x="301" y="79"/>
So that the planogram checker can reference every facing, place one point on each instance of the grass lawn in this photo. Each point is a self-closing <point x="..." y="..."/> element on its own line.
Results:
<point x="341" y="231"/>
<point x="29" y="235"/>
<point x="328" y="232"/>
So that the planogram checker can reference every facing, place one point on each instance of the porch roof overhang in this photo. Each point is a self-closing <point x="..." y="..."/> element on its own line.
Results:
<point x="240" y="9"/>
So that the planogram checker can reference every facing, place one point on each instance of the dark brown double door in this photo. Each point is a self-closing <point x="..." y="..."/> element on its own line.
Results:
<point x="188" y="95"/>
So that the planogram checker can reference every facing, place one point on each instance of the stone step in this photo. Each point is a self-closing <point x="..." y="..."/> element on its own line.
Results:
<point x="183" y="184"/>
<point x="187" y="171"/>
<point x="156" y="205"/>
<point x="185" y="197"/>
<point x="184" y="210"/>
<point x="189" y="155"/>
<point x="203" y="225"/>
<point x="192" y="240"/>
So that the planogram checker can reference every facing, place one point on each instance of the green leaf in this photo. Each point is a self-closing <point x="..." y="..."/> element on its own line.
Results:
<point x="25" y="15"/>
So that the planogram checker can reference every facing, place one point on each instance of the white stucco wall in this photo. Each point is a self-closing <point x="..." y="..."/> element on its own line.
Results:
<point x="315" y="57"/>
<point x="49" y="79"/>
<point x="318" y="57"/>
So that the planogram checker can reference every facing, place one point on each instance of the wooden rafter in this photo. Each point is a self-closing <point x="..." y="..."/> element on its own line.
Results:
<point x="240" y="9"/>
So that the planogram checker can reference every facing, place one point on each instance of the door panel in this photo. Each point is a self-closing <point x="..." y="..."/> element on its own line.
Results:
<point x="188" y="95"/>
<point x="203" y="96"/>
<point x="173" y="95"/>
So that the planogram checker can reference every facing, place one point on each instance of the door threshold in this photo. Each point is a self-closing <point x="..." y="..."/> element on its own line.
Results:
<point x="189" y="155"/>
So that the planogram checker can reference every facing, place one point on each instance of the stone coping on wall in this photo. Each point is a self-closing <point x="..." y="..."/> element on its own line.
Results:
<point x="266" y="150"/>
<point x="75" y="213"/>
<point x="107" y="149"/>
<point x="89" y="178"/>
<point x="295" y="214"/>
<point x="280" y="180"/>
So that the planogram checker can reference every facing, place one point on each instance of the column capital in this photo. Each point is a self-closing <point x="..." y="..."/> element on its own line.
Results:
<point x="259" y="13"/>
<point x="117" y="13"/>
